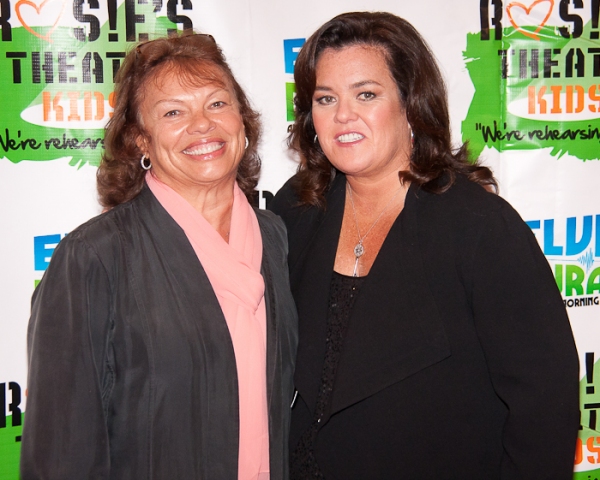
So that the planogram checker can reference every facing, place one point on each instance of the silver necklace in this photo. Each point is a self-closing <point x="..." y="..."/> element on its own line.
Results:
<point x="359" y="248"/>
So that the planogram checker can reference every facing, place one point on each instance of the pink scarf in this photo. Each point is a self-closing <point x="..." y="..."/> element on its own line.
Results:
<point x="234" y="272"/>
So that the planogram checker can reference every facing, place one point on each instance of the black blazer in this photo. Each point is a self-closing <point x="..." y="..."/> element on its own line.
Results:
<point x="458" y="362"/>
<point x="132" y="372"/>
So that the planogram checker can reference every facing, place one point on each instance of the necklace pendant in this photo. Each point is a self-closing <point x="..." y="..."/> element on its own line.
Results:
<point x="359" y="250"/>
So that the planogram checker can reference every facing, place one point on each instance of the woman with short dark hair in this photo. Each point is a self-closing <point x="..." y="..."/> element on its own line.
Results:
<point x="433" y="342"/>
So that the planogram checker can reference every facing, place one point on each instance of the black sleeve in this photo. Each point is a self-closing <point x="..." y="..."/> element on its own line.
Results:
<point x="65" y="433"/>
<point x="526" y="336"/>
<point x="285" y="200"/>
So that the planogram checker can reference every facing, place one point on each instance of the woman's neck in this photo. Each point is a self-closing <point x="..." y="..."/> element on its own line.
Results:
<point x="214" y="202"/>
<point x="372" y="193"/>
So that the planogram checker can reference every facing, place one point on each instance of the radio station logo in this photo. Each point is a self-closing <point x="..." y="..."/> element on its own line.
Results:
<point x="291" y="49"/>
<point x="572" y="246"/>
<point x="43" y="248"/>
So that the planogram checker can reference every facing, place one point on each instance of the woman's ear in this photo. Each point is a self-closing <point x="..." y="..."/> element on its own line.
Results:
<point x="142" y="144"/>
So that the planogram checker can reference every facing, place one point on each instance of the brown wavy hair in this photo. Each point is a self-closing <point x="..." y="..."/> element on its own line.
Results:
<point x="192" y="57"/>
<point x="433" y="163"/>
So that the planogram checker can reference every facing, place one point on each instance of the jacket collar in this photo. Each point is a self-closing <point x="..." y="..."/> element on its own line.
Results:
<point x="395" y="328"/>
<point x="183" y="259"/>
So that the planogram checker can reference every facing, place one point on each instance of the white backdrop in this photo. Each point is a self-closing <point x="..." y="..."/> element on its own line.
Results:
<point x="47" y="191"/>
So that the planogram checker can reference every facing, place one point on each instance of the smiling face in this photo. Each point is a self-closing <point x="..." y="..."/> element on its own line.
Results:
<point x="194" y="134"/>
<point x="357" y="113"/>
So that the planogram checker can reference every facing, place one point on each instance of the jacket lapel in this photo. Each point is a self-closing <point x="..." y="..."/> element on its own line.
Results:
<point x="272" y="336"/>
<point x="310" y="277"/>
<point x="281" y="340"/>
<point x="395" y="329"/>
<point x="195" y="310"/>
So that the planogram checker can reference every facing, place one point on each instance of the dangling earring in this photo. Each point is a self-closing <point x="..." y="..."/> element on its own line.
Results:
<point x="143" y="163"/>
<point x="412" y="136"/>
<point x="315" y="140"/>
<point x="247" y="143"/>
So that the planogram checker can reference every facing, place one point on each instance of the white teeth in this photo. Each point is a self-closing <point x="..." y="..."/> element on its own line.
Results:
<point x="204" y="149"/>
<point x="350" y="137"/>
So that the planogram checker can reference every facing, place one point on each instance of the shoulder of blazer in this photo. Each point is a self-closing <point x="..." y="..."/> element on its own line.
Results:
<point x="458" y="215"/>
<point x="303" y="221"/>
<point x="124" y="219"/>
<point x="463" y="197"/>
<point x="272" y="228"/>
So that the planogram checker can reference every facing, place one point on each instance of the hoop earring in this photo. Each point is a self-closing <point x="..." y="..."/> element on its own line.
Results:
<point x="143" y="163"/>
<point x="316" y="139"/>
<point x="247" y="143"/>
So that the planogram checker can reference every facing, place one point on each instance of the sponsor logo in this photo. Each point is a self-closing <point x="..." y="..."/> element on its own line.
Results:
<point x="291" y="48"/>
<point x="535" y="67"/>
<point x="572" y="247"/>
<point x="43" y="247"/>
<point x="58" y="60"/>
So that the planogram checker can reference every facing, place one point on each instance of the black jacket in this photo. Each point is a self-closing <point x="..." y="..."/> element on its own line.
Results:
<point x="459" y="360"/>
<point x="132" y="373"/>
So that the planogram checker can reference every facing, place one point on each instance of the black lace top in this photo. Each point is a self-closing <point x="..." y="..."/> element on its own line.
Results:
<point x="342" y="294"/>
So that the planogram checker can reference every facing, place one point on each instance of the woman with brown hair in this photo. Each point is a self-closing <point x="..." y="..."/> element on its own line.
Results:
<point x="433" y="342"/>
<point x="163" y="334"/>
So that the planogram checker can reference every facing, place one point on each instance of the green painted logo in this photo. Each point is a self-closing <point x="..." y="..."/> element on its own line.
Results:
<point x="58" y="81"/>
<point x="534" y="89"/>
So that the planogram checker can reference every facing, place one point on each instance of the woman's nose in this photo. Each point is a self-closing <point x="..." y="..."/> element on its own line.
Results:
<point x="345" y="111"/>
<point x="200" y="122"/>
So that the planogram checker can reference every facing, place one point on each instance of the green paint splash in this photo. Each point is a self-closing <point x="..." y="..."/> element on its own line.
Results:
<point x="42" y="143"/>
<point x="10" y="450"/>
<point x="489" y="122"/>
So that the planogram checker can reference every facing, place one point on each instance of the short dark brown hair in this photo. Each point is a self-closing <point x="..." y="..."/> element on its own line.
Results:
<point x="193" y="57"/>
<point x="433" y="163"/>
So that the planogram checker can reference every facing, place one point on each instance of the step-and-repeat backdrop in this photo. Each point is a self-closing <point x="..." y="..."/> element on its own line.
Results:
<point x="524" y="89"/>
